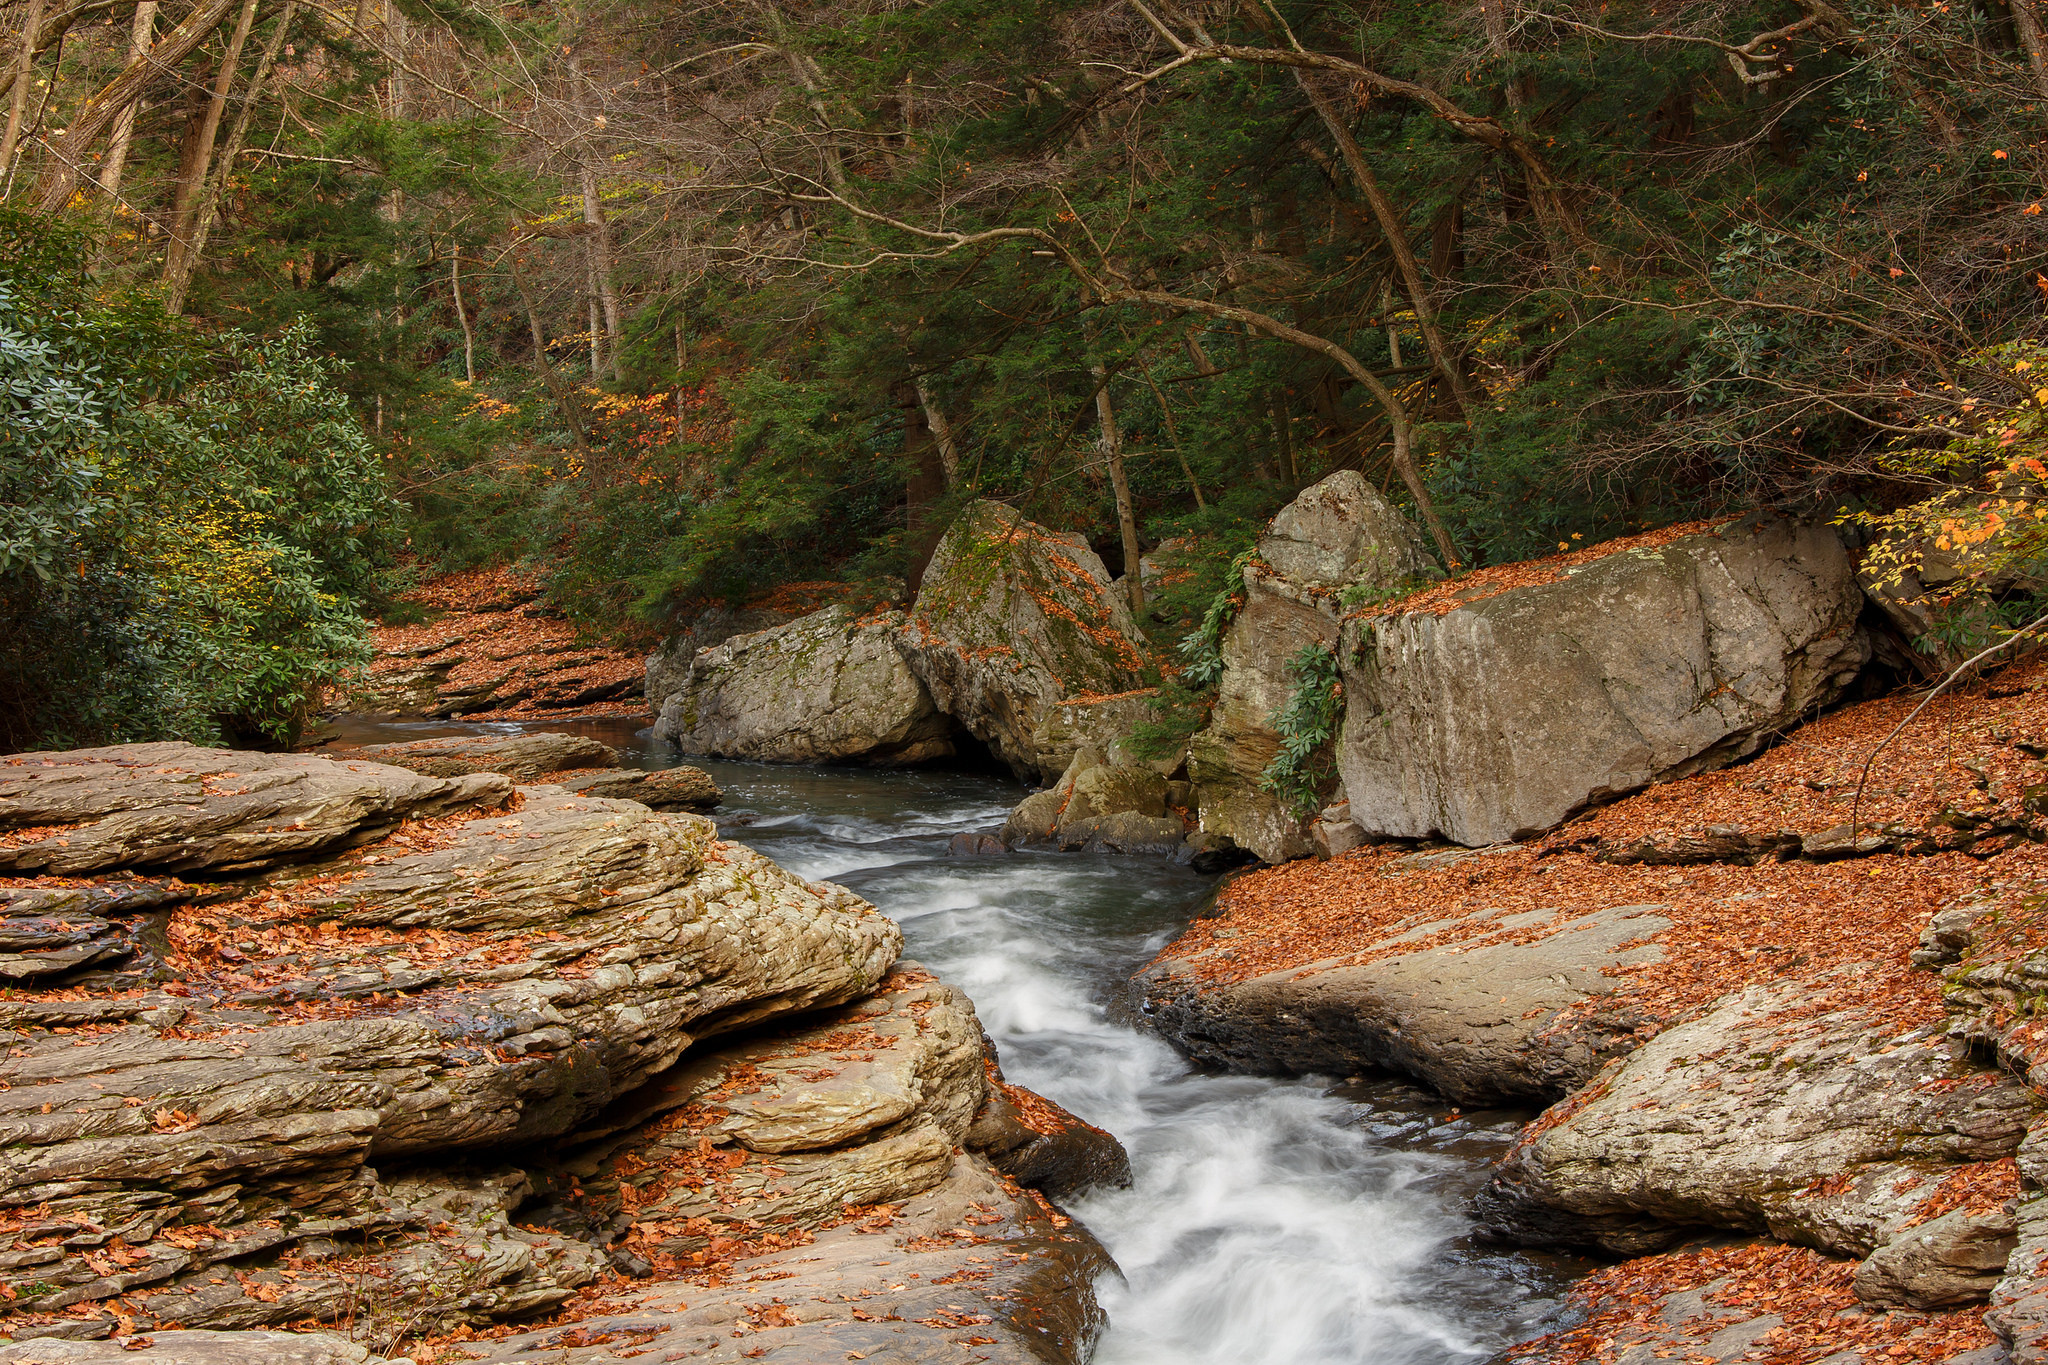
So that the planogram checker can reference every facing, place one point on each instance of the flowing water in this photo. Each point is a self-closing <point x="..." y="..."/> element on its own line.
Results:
<point x="1270" y="1222"/>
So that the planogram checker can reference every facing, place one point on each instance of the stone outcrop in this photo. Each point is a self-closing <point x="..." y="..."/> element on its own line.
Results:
<point x="1503" y="715"/>
<point x="668" y="668"/>
<point x="522" y="757"/>
<point x="1339" y="534"/>
<point x="1100" y="805"/>
<point x="1479" y="1022"/>
<point x="181" y="808"/>
<point x="829" y="687"/>
<point x="1792" y="1110"/>
<point x="429" y="1052"/>
<point x="1012" y="620"/>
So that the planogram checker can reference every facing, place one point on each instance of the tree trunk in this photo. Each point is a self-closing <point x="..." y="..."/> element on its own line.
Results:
<point x="1126" y="517"/>
<point x="2028" y="25"/>
<point x="1396" y="233"/>
<point x="139" y="35"/>
<point x="217" y="187"/>
<point x="21" y="81"/>
<point x="181" y="255"/>
<point x="462" y="316"/>
<point x="942" y="431"/>
<point x="563" y="399"/>
<point x="600" y="234"/>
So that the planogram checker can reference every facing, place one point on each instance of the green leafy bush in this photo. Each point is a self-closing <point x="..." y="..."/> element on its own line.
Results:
<point x="188" y="524"/>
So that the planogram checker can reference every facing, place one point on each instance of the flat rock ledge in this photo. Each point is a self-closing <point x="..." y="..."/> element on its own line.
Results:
<point x="1508" y="1012"/>
<point x="428" y="1056"/>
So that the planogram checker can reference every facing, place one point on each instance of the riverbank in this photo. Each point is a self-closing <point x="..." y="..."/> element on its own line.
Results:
<point x="1644" y="968"/>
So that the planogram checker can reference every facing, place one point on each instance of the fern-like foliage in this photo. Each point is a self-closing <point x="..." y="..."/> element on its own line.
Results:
<point x="1306" y="724"/>
<point x="1202" y="649"/>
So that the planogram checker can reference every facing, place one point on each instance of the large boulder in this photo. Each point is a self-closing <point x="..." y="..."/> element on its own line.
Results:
<point x="1010" y="621"/>
<point x="1797" y="1109"/>
<point x="1486" y="1006"/>
<point x="1500" y="716"/>
<point x="830" y="687"/>
<point x="668" y="668"/>
<point x="1338" y="534"/>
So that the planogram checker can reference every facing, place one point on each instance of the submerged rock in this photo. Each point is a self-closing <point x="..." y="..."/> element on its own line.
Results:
<point x="825" y="688"/>
<point x="1012" y="620"/>
<point x="1505" y="714"/>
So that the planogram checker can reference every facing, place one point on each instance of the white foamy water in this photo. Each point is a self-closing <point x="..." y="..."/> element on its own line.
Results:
<point x="1269" y="1222"/>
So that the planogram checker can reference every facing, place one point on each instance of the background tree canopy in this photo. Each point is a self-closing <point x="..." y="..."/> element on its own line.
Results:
<point x="683" y="302"/>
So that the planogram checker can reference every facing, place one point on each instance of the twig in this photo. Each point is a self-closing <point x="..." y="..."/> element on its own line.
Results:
<point x="1856" y="806"/>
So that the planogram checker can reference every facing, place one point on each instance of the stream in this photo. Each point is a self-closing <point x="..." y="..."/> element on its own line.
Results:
<point x="1270" y="1222"/>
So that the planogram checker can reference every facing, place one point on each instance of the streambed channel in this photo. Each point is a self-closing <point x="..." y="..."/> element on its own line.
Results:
<point x="1270" y="1222"/>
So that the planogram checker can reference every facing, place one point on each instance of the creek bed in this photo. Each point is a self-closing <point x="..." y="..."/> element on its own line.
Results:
<point x="1270" y="1222"/>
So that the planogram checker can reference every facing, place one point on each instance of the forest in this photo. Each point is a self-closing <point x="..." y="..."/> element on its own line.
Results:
<point x="681" y="303"/>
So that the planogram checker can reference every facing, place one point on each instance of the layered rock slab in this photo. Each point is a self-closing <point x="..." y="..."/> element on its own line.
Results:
<point x="1507" y="1010"/>
<point x="825" y="688"/>
<point x="1011" y="620"/>
<point x="180" y="808"/>
<point x="971" y="1269"/>
<point x="523" y="757"/>
<point x="468" y="984"/>
<point x="1499" y="716"/>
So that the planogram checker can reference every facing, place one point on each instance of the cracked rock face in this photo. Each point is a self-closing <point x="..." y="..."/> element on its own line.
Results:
<point x="1786" y="1109"/>
<point x="1340" y="533"/>
<point x="213" y="1084"/>
<point x="1011" y="620"/>
<point x="1503" y="716"/>
<point x="825" y="688"/>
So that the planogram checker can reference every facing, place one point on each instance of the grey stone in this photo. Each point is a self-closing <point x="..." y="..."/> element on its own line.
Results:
<point x="1478" y="1024"/>
<point x="1955" y="1259"/>
<point x="1341" y="532"/>
<point x="1768" y="1115"/>
<point x="681" y="788"/>
<point x="196" y="1348"/>
<point x="1012" y="620"/>
<point x="1505" y="715"/>
<point x="825" y="688"/>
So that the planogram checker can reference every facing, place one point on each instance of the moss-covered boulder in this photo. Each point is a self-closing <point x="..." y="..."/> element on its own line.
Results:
<point x="1011" y="620"/>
